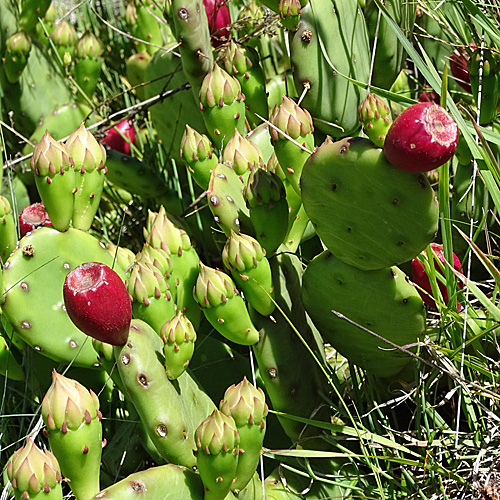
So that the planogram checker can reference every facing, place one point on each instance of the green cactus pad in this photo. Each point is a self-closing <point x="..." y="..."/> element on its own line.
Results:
<point x="33" y="279"/>
<point x="226" y="201"/>
<point x="382" y="301"/>
<point x="331" y="34"/>
<point x="368" y="213"/>
<point x="170" y="410"/>
<point x="153" y="484"/>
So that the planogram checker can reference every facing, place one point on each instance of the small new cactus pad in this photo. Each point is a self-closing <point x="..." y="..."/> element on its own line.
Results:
<point x="225" y="199"/>
<point x="223" y="306"/>
<point x="33" y="279"/>
<point x="383" y="301"/>
<point x="97" y="301"/>
<point x="73" y="425"/>
<point x="34" y="473"/>
<point x="422" y="138"/>
<point x="247" y="405"/>
<point x="169" y="411"/>
<point x="217" y="443"/>
<point x="154" y="483"/>
<point x="369" y="213"/>
<point x="421" y="279"/>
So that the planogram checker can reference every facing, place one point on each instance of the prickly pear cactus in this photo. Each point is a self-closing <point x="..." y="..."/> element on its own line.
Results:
<point x="368" y="213"/>
<point x="382" y="301"/>
<point x="33" y="279"/>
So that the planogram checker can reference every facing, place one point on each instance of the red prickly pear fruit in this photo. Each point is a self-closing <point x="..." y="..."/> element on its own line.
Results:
<point x="219" y="20"/>
<point x="98" y="303"/>
<point x="429" y="95"/>
<point x="115" y="141"/>
<point x="421" y="279"/>
<point x="32" y="217"/>
<point x="459" y="59"/>
<point x="422" y="138"/>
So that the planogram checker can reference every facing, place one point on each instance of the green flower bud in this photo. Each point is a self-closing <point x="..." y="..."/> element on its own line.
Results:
<point x="49" y="157"/>
<point x="64" y="35"/>
<point x="158" y="257"/>
<point x="68" y="404"/>
<point x="18" y="43"/>
<point x="178" y="330"/>
<point x="219" y="88"/>
<point x="263" y="188"/>
<point x="245" y="403"/>
<point x="161" y="232"/>
<point x="195" y="146"/>
<point x="242" y="252"/>
<point x="291" y="119"/>
<point x="146" y="283"/>
<point x="217" y="434"/>
<point x="238" y="60"/>
<point x="213" y="287"/>
<point x="242" y="154"/>
<point x="88" y="46"/>
<point x="87" y="154"/>
<point x="31" y="470"/>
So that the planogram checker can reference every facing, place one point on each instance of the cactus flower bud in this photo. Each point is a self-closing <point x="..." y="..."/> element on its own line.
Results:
<point x="289" y="11"/>
<point x="17" y="49"/>
<point x="178" y="337"/>
<point x="290" y="118"/>
<point x="375" y="116"/>
<point x="88" y="46"/>
<point x="31" y="471"/>
<point x="68" y="404"/>
<point x="242" y="154"/>
<point x="49" y="157"/>
<point x="86" y="152"/>
<point x="219" y="88"/>
<point x="263" y="188"/>
<point x="245" y="403"/>
<point x="197" y="153"/>
<point x="213" y="287"/>
<point x="217" y="441"/>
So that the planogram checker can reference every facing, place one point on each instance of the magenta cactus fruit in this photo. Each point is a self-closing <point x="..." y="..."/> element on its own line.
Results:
<point x="97" y="301"/>
<point x="459" y="59"/>
<point x="219" y="21"/>
<point x="421" y="279"/>
<point x="115" y="140"/>
<point x="422" y="138"/>
<point x="32" y="217"/>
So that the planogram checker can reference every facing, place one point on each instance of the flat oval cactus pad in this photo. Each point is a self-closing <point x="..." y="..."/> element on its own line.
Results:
<point x="33" y="279"/>
<point x="367" y="212"/>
